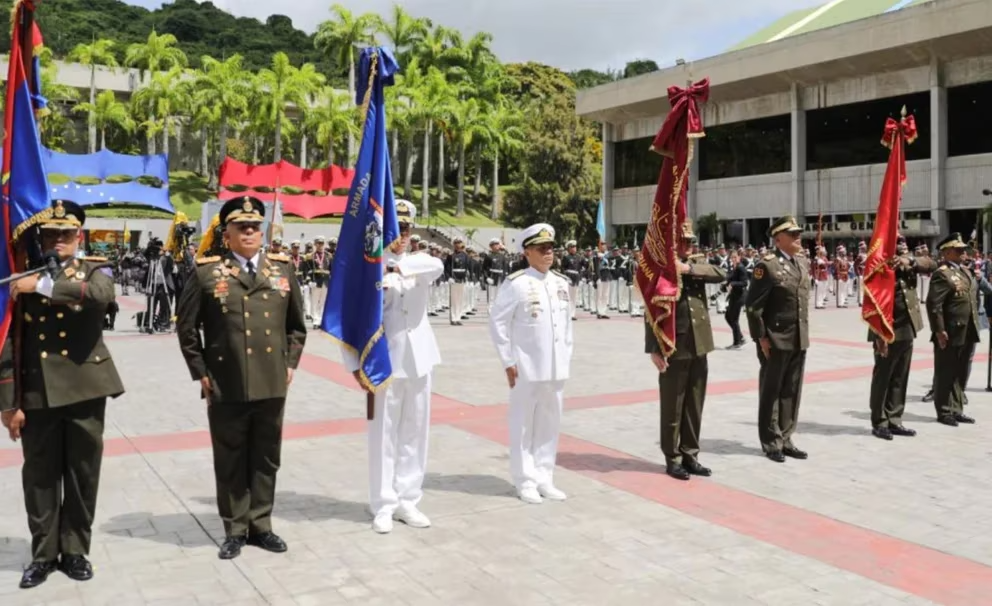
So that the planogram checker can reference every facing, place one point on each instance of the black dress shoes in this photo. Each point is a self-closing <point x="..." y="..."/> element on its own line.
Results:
<point x="231" y="548"/>
<point x="960" y="418"/>
<point x="693" y="467"/>
<point x="948" y="420"/>
<point x="269" y="541"/>
<point x="899" y="430"/>
<point x="882" y="432"/>
<point x="795" y="453"/>
<point x="677" y="471"/>
<point x="36" y="573"/>
<point x="776" y="455"/>
<point x="76" y="567"/>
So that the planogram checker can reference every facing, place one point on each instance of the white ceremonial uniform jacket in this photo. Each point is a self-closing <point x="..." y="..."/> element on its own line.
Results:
<point x="413" y="351"/>
<point x="531" y="325"/>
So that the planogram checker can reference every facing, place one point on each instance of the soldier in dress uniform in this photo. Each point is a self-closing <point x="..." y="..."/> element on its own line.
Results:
<point x="531" y="328"/>
<point x="319" y="268"/>
<point x="571" y="265"/>
<point x="893" y="360"/>
<point x="821" y="276"/>
<point x="66" y="376"/>
<point x="682" y="377"/>
<point x="456" y="270"/>
<point x="952" y="307"/>
<point x="603" y="277"/>
<point x="250" y="309"/>
<point x="859" y="270"/>
<point x="398" y="431"/>
<point x="737" y="282"/>
<point x="494" y="267"/>
<point x="778" y="317"/>
<point x="275" y="246"/>
<point x="842" y="270"/>
<point x="301" y="270"/>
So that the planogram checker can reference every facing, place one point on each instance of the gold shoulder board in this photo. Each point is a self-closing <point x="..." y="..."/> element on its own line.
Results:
<point x="278" y="257"/>
<point x="769" y="257"/>
<point x="95" y="259"/>
<point x="516" y="274"/>
<point x="205" y="260"/>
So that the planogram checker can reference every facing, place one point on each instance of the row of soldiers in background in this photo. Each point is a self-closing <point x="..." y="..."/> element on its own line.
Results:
<point x="601" y="281"/>
<point x="312" y="264"/>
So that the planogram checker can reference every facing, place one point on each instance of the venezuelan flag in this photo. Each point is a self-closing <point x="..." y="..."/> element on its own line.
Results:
<point x="25" y="191"/>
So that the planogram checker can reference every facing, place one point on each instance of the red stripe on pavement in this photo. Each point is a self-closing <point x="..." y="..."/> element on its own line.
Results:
<point x="906" y="566"/>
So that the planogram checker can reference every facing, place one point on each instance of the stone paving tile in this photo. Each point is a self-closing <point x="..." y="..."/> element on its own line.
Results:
<point x="156" y="529"/>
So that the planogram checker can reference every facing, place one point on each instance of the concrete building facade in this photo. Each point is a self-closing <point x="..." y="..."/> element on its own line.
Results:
<point x="804" y="90"/>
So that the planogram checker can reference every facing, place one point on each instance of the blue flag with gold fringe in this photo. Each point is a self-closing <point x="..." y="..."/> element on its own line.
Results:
<point x="25" y="192"/>
<point x="353" y="310"/>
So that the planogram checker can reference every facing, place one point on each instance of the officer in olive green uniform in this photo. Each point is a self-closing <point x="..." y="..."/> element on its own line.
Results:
<point x="66" y="375"/>
<point x="952" y="307"/>
<point x="778" y="317"/>
<point x="249" y="307"/>
<point x="682" y="377"/>
<point x="892" y="360"/>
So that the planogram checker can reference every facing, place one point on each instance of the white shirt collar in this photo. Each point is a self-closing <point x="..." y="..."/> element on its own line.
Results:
<point x="787" y="256"/>
<point x="244" y="262"/>
<point x="536" y="274"/>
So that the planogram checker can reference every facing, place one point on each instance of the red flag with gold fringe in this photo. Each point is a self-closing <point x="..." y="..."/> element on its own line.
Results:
<point x="657" y="274"/>
<point x="879" y="275"/>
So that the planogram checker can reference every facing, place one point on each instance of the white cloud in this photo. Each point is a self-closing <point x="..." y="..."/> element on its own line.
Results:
<point x="569" y="34"/>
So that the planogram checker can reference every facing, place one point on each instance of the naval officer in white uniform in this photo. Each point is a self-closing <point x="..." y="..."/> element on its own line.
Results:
<point x="398" y="432"/>
<point x="531" y="327"/>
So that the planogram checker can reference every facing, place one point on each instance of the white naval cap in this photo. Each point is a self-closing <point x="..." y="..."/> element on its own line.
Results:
<point x="494" y="241"/>
<point x="539" y="233"/>
<point x="406" y="212"/>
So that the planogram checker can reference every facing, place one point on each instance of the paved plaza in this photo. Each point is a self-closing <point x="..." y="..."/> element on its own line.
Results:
<point x="863" y="521"/>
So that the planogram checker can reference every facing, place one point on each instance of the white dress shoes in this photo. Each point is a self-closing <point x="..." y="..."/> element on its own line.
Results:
<point x="530" y="495"/>
<point x="412" y="517"/>
<point x="548" y="491"/>
<point x="383" y="523"/>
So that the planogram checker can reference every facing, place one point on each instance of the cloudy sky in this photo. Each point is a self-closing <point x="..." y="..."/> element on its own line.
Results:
<point x="569" y="34"/>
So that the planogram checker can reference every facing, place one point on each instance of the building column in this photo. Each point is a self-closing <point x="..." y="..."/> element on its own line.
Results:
<point x="744" y="236"/>
<point x="798" y="147"/>
<point x="692" y="207"/>
<point x="938" y="147"/>
<point x="608" y="166"/>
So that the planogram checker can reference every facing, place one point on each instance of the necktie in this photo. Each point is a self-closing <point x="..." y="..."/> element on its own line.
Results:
<point x="251" y="269"/>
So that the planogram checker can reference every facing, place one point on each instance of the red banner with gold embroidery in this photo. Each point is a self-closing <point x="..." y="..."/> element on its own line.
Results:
<point x="657" y="274"/>
<point x="879" y="275"/>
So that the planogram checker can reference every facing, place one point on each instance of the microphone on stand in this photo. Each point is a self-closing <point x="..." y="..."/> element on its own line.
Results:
<point x="51" y="261"/>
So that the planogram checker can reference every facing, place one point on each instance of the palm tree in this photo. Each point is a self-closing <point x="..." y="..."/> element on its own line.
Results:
<point x="337" y="38"/>
<point x="404" y="32"/>
<point x="54" y="125"/>
<point x="106" y="112"/>
<point x="310" y="82"/>
<point x="333" y="117"/>
<point x="467" y="126"/>
<point x="155" y="54"/>
<point x="99" y="52"/>
<point x="167" y="98"/>
<point x="506" y="134"/>
<point x="285" y="85"/>
<point x="432" y="100"/>
<point x="222" y="85"/>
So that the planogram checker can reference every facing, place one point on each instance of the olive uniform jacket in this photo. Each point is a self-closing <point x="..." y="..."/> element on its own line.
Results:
<point x="778" y="301"/>
<point x="63" y="357"/>
<point x="693" y="333"/>
<point x="907" y="321"/>
<point x="253" y="330"/>
<point x="952" y="305"/>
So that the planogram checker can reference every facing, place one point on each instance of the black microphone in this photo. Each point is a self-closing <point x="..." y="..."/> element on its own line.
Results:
<point x="52" y="262"/>
<point x="987" y="192"/>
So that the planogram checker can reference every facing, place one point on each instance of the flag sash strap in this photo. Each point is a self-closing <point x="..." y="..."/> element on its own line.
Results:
<point x="657" y="275"/>
<point x="879" y="277"/>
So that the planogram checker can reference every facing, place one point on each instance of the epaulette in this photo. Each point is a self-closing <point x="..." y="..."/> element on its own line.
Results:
<point x="95" y="259"/>
<point x="559" y="274"/>
<point x="697" y="256"/>
<point x="205" y="260"/>
<point x="278" y="257"/>
<point x="308" y="257"/>
<point x="768" y="257"/>
<point x="516" y="274"/>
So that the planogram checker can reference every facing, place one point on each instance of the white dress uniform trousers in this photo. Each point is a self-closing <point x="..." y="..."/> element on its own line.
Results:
<point x="573" y="299"/>
<point x="602" y="297"/>
<point x="531" y="327"/>
<point x="820" y="294"/>
<point x="398" y="433"/>
<point x="456" y="307"/>
<point x="307" y="307"/>
<point x="318" y="295"/>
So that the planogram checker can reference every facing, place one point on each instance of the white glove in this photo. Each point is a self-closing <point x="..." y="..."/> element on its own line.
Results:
<point x="490" y="281"/>
<point x="451" y="280"/>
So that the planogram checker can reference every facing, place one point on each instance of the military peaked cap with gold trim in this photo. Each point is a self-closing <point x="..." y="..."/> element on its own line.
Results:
<point x="245" y="209"/>
<point x="953" y="240"/>
<point x="64" y="215"/>
<point x="539" y="233"/>
<point x="787" y="224"/>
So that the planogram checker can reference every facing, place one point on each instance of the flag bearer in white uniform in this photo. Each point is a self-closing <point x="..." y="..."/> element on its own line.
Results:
<point x="399" y="428"/>
<point x="531" y="327"/>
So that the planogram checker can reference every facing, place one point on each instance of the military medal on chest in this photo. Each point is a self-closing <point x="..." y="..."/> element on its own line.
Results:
<point x="534" y="302"/>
